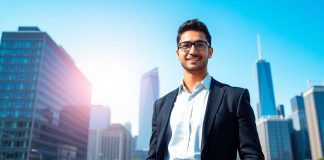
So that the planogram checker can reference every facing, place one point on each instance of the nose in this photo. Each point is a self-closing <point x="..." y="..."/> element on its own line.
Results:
<point x="193" y="49"/>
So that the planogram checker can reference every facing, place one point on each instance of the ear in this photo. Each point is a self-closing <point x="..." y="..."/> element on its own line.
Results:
<point x="210" y="52"/>
<point x="177" y="53"/>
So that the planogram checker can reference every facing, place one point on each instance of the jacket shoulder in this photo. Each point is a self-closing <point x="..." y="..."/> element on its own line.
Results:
<point x="232" y="93"/>
<point x="229" y="88"/>
<point x="165" y="97"/>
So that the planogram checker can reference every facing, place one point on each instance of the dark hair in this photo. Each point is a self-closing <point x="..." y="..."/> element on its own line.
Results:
<point x="194" y="25"/>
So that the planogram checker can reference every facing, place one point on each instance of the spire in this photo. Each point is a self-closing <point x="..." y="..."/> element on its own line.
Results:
<point x="259" y="47"/>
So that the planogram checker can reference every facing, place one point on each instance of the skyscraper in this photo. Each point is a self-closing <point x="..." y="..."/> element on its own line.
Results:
<point x="266" y="99"/>
<point x="274" y="137"/>
<point x="116" y="143"/>
<point x="128" y="126"/>
<point x="74" y="126"/>
<point x="281" y="110"/>
<point x="299" y="131"/>
<point x="149" y="94"/>
<point x="314" y="106"/>
<point x="100" y="118"/>
<point x="42" y="97"/>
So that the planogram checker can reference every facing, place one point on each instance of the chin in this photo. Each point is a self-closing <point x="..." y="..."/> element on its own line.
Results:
<point x="194" y="69"/>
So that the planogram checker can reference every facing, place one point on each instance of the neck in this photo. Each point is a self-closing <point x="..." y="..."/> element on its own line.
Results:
<point x="192" y="78"/>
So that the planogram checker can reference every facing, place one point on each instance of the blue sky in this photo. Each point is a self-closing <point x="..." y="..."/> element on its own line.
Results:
<point x="115" y="42"/>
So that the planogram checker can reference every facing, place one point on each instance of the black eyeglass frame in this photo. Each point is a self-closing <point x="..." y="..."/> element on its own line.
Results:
<point x="193" y="43"/>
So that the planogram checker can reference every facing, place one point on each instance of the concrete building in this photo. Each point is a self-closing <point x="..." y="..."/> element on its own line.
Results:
<point x="116" y="143"/>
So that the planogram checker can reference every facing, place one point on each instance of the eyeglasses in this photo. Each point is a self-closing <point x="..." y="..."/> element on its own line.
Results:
<point x="199" y="45"/>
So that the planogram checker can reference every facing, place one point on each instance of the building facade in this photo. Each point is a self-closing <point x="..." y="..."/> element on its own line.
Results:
<point x="39" y="85"/>
<point x="100" y="119"/>
<point x="275" y="138"/>
<point x="314" y="106"/>
<point x="116" y="143"/>
<point x="149" y="94"/>
<point x="266" y="100"/>
<point x="299" y="131"/>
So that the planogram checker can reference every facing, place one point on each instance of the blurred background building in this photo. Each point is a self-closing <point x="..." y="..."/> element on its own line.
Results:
<point x="117" y="143"/>
<point x="100" y="119"/>
<point x="149" y="94"/>
<point x="44" y="99"/>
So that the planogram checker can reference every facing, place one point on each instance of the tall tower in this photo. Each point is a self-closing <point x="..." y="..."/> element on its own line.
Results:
<point x="314" y="106"/>
<point x="149" y="94"/>
<point x="44" y="99"/>
<point x="266" y="100"/>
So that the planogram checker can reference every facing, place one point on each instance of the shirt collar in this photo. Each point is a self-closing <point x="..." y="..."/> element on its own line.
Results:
<point x="205" y="83"/>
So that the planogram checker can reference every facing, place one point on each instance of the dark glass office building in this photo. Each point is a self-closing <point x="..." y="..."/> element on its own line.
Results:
<point x="44" y="99"/>
<point x="299" y="130"/>
<point x="267" y="105"/>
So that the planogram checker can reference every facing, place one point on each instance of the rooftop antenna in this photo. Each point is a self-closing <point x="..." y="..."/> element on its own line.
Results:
<point x="259" y="47"/>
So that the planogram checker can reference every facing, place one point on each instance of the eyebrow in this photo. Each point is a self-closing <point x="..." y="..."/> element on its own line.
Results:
<point x="194" y="41"/>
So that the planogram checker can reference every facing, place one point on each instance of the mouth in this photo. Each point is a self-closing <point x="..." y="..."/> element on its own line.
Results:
<point x="193" y="59"/>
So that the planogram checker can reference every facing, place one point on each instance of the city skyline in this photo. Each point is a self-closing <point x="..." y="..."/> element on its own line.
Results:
<point x="114" y="43"/>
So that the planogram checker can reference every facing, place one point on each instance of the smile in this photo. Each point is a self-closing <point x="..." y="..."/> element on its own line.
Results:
<point x="193" y="59"/>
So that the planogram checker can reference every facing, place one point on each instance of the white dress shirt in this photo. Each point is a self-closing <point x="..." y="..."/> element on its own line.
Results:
<point x="185" y="131"/>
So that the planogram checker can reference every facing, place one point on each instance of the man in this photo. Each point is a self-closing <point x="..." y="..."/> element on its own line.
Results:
<point x="203" y="118"/>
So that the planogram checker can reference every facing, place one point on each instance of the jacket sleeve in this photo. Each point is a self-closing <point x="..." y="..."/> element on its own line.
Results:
<point x="249" y="143"/>
<point x="153" y="140"/>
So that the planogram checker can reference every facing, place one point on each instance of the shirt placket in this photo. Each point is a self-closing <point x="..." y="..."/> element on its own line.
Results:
<point x="188" y="119"/>
<point x="191" y="102"/>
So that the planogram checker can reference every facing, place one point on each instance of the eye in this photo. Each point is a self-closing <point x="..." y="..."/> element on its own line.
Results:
<point x="200" y="45"/>
<point x="185" y="45"/>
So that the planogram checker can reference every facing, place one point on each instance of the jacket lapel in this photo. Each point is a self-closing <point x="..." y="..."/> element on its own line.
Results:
<point x="166" y="110"/>
<point x="215" y="98"/>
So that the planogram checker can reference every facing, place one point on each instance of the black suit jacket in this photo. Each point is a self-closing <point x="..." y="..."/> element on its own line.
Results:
<point x="229" y="125"/>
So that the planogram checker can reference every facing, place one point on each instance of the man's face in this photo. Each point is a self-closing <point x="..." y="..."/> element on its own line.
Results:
<point x="194" y="57"/>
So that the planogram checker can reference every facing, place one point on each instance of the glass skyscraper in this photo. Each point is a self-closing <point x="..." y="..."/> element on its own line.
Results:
<point x="149" y="94"/>
<point x="44" y="99"/>
<point x="266" y="100"/>
<point x="275" y="138"/>
<point x="299" y="132"/>
<point x="267" y="105"/>
<point x="314" y="106"/>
